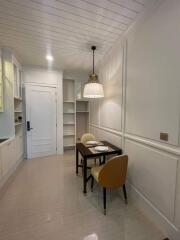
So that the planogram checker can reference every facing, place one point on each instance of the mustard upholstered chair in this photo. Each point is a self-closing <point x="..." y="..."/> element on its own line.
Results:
<point x="111" y="175"/>
<point x="87" y="137"/>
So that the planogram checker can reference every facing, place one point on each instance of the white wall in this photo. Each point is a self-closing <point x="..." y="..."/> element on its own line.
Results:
<point x="42" y="76"/>
<point x="153" y="70"/>
<point x="76" y="75"/>
<point x="143" y="71"/>
<point x="111" y="72"/>
<point x="80" y="78"/>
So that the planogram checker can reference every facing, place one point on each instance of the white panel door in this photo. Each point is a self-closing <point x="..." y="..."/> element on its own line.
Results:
<point x="41" y="121"/>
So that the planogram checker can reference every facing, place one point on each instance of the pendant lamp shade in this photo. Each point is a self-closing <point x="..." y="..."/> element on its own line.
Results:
<point x="93" y="89"/>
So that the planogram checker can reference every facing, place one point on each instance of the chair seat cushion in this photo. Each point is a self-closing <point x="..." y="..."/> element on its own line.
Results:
<point x="95" y="172"/>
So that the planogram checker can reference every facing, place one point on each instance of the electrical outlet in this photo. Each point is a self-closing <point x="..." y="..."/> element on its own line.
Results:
<point x="164" y="136"/>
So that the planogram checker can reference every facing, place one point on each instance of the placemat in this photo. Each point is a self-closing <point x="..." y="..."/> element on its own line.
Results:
<point x="94" y="145"/>
<point x="94" y="151"/>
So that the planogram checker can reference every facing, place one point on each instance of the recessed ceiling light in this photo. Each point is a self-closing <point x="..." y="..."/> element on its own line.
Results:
<point x="49" y="58"/>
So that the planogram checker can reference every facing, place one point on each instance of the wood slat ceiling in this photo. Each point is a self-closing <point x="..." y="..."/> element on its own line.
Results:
<point x="66" y="28"/>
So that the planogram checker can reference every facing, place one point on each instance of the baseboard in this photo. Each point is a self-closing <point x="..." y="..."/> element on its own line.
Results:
<point x="151" y="212"/>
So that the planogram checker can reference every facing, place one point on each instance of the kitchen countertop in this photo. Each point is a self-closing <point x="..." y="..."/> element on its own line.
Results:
<point x="5" y="140"/>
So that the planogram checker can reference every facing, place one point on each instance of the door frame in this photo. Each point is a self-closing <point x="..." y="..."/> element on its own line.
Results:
<point x="27" y="117"/>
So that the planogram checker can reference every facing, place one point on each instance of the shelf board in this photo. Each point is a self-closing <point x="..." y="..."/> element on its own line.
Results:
<point x="68" y="135"/>
<point x="68" y="123"/>
<point x="68" y="101"/>
<point x="72" y="145"/>
<point x="82" y="111"/>
<point x="69" y="146"/>
<point x="18" y="123"/>
<point x="18" y="111"/>
<point x="81" y="100"/>
<point x="68" y="112"/>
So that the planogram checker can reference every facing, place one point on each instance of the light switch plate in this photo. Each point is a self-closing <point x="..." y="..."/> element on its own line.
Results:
<point x="164" y="136"/>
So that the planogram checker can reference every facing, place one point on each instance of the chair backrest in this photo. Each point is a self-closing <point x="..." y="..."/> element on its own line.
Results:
<point x="87" y="137"/>
<point x="113" y="174"/>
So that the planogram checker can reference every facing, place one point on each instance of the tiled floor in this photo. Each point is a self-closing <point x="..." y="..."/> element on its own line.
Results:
<point x="45" y="201"/>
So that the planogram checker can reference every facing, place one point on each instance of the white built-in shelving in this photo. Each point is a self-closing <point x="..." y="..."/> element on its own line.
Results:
<point x="69" y="113"/>
<point x="82" y="118"/>
<point x="76" y="114"/>
<point x="18" y="116"/>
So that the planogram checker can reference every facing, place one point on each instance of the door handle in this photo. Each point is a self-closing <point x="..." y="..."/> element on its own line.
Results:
<point x="29" y="128"/>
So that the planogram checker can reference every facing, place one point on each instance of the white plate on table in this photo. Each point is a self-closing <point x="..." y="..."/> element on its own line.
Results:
<point x="101" y="148"/>
<point x="91" y="142"/>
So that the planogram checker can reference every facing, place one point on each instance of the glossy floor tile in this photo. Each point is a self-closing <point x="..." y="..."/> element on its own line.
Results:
<point x="45" y="201"/>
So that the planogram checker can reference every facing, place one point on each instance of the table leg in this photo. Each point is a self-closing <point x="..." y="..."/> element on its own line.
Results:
<point x="84" y="174"/>
<point x="77" y="160"/>
<point x="104" y="159"/>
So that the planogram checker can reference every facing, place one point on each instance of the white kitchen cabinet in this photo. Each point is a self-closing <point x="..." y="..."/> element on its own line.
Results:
<point x="7" y="156"/>
<point x="7" y="115"/>
<point x="17" y="77"/>
<point x="18" y="143"/>
<point x="11" y="114"/>
<point x="11" y="153"/>
<point x="0" y="165"/>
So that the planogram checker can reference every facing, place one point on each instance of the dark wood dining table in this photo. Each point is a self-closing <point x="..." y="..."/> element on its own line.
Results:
<point x="87" y="152"/>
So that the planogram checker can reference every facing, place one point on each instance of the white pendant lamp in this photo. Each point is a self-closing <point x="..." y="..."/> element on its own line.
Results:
<point x="93" y="89"/>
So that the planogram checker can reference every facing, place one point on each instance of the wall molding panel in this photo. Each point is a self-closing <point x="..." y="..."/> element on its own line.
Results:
<point x="144" y="141"/>
<point x="153" y="213"/>
<point x="154" y="165"/>
<point x="149" y="167"/>
<point x="111" y="75"/>
<point x="107" y="130"/>
<point x="110" y="136"/>
<point x="154" y="144"/>
<point x="168" y="224"/>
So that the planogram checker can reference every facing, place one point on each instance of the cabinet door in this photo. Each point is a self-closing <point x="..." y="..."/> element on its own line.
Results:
<point x="0" y="165"/>
<point x="7" y="155"/>
<point x="17" y="72"/>
<point x="20" y="82"/>
<point x="21" y="147"/>
<point x="18" y="147"/>
<point x="11" y="157"/>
